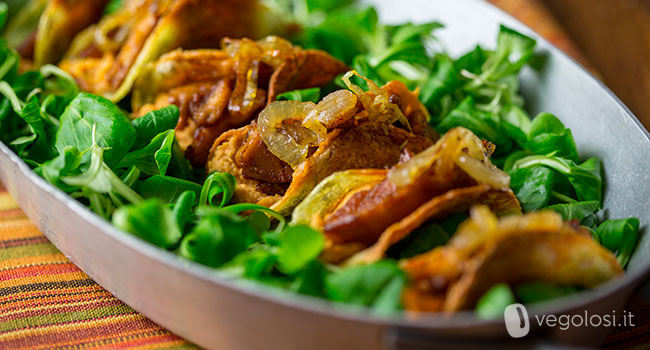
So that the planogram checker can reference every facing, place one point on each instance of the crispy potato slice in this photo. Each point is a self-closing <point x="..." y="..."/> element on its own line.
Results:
<point x="459" y="159"/>
<point x="367" y="146"/>
<point x="43" y="29"/>
<point x="563" y="259"/>
<point x="217" y="90"/>
<point x="59" y="24"/>
<point x="321" y="139"/>
<point x="500" y="201"/>
<point x="330" y="192"/>
<point x="536" y="247"/>
<point x="108" y="57"/>
<point x="371" y="145"/>
<point x="223" y="158"/>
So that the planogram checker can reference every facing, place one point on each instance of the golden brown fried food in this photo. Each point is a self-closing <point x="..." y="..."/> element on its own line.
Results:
<point x="225" y="154"/>
<point x="459" y="159"/>
<point x="107" y="58"/>
<point x="217" y="90"/>
<point x="536" y="247"/>
<point x="312" y="141"/>
<point x="365" y="146"/>
<point x="43" y="30"/>
<point x="502" y="201"/>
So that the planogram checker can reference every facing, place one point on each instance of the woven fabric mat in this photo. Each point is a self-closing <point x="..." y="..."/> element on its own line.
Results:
<point x="46" y="302"/>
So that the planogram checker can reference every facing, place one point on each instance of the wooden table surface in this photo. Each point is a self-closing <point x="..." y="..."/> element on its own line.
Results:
<point x="609" y="37"/>
<point x="614" y="35"/>
<point x="613" y="38"/>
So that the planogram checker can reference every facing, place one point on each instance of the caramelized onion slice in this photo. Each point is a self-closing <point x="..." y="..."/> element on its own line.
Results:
<point x="280" y="142"/>
<point x="289" y="128"/>
<point x="333" y="110"/>
<point x="462" y="147"/>
<point x="376" y="101"/>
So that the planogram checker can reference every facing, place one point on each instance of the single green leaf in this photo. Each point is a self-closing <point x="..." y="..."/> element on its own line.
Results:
<point x="494" y="302"/>
<point x="259" y="222"/>
<point x="154" y="158"/>
<point x="167" y="188"/>
<point x="516" y="123"/>
<point x="297" y="246"/>
<point x="561" y="145"/>
<point x="587" y="180"/>
<point x="256" y="264"/>
<point x="473" y="60"/>
<point x="378" y="286"/>
<point x="413" y="32"/>
<point x="217" y="238"/>
<point x="576" y="210"/>
<point x="150" y="220"/>
<point x="620" y="236"/>
<point x="545" y="123"/>
<point x="182" y="212"/>
<point x="532" y="186"/>
<point x="154" y="123"/>
<point x="412" y="52"/>
<point x="311" y="280"/>
<point x="88" y="112"/>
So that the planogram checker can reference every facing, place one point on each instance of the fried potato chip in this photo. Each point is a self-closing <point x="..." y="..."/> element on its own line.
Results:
<point x="43" y="29"/>
<point x="459" y="159"/>
<point x="500" y="201"/>
<point x="107" y="58"/>
<point x="371" y="145"/>
<point x="536" y="247"/>
<point x="330" y="192"/>
<point x="218" y="90"/>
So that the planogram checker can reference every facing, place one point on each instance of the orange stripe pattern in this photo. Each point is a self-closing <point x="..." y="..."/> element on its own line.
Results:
<point x="46" y="302"/>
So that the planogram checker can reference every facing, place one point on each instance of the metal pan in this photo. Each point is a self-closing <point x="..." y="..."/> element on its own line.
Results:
<point x="216" y="312"/>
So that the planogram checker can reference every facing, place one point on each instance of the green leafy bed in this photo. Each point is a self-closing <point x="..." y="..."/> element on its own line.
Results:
<point x="134" y="174"/>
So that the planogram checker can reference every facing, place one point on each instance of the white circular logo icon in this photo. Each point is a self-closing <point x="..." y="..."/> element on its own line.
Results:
<point x="516" y="318"/>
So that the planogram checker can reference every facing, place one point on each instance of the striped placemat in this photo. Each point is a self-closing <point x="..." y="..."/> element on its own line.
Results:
<point x="46" y="302"/>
